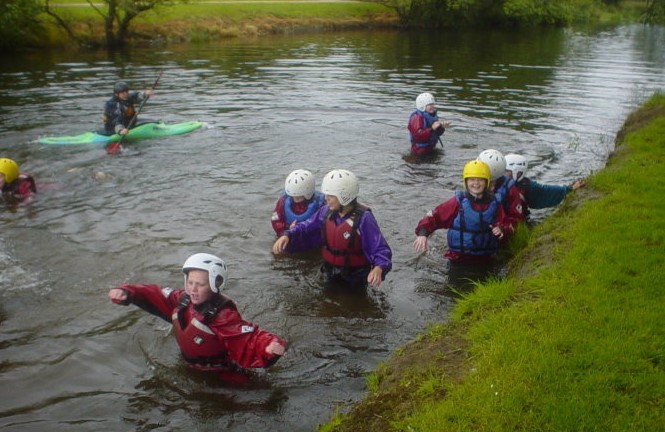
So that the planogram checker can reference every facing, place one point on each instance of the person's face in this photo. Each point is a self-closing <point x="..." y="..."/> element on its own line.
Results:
<point x="123" y="95"/>
<point x="298" y="198"/>
<point x="476" y="186"/>
<point x="430" y="108"/>
<point x="333" y="203"/>
<point x="198" y="287"/>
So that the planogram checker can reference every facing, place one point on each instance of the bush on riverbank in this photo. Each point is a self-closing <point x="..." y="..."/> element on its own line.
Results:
<point x="572" y="339"/>
<point x="455" y="13"/>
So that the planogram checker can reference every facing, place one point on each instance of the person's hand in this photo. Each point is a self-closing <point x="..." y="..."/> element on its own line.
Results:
<point x="578" y="184"/>
<point x="118" y="295"/>
<point x="280" y="244"/>
<point x="497" y="231"/>
<point x="446" y="124"/>
<point x="148" y="93"/>
<point x="275" y="348"/>
<point x="124" y="131"/>
<point x="374" y="276"/>
<point x="437" y="124"/>
<point x="420" y="244"/>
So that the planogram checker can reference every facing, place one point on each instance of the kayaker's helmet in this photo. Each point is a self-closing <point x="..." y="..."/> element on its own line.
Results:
<point x="9" y="168"/>
<point x="215" y="267"/>
<point x="518" y="165"/>
<point x="341" y="184"/>
<point x="423" y="100"/>
<point x="495" y="160"/>
<point x="476" y="169"/>
<point x="120" y="86"/>
<point x="300" y="183"/>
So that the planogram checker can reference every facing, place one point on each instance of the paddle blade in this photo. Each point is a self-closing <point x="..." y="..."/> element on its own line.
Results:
<point x="114" y="148"/>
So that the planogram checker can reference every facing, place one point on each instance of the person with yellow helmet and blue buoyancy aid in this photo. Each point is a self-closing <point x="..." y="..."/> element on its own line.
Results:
<point x="475" y="219"/>
<point x="354" y="251"/>
<point x="297" y="202"/>
<point x="15" y="184"/>
<point x="425" y="127"/>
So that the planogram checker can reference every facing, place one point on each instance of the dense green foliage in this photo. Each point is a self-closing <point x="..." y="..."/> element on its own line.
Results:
<point x="572" y="339"/>
<point x="452" y="13"/>
<point x="18" y="23"/>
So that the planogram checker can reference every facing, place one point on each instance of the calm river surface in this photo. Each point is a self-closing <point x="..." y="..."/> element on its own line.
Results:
<point x="72" y="361"/>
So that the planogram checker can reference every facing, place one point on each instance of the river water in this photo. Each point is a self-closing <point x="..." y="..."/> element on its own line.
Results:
<point x="73" y="361"/>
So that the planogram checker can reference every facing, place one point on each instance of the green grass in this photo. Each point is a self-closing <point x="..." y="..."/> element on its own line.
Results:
<point x="574" y="338"/>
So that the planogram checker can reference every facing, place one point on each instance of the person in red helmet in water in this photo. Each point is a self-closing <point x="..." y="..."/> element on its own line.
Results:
<point x="209" y="330"/>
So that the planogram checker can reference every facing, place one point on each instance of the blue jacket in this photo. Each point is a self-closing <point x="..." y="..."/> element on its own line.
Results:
<point x="539" y="195"/>
<point x="118" y="113"/>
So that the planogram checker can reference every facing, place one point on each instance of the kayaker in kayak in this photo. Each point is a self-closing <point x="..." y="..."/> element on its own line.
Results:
<point x="297" y="202"/>
<point x="119" y="110"/>
<point x="208" y="328"/>
<point x="14" y="184"/>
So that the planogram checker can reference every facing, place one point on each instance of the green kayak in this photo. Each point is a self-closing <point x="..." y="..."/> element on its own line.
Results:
<point x="140" y="132"/>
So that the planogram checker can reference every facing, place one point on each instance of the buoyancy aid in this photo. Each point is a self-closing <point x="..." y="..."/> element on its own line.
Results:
<point x="341" y="243"/>
<point x="470" y="232"/>
<point x="198" y="342"/>
<point x="427" y="122"/>
<point x="503" y="186"/>
<point x="315" y="203"/>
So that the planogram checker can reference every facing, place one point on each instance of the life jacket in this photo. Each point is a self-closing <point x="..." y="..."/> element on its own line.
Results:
<point x="341" y="243"/>
<point x="314" y="204"/>
<point x="22" y="187"/>
<point x="501" y="191"/>
<point x="198" y="342"/>
<point x="427" y="122"/>
<point x="470" y="232"/>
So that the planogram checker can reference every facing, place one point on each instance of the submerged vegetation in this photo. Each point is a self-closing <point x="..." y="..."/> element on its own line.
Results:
<point x="113" y="23"/>
<point x="572" y="339"/>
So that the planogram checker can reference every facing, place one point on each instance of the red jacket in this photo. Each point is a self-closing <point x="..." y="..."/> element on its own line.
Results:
<point x="21" y="188"/>
<point x="278" y="219"/>
<point x="238" y="342"/>
<point x="442" y="217"/>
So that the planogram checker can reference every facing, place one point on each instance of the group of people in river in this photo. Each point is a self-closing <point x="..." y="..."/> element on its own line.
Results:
<point x="495" y="197"/>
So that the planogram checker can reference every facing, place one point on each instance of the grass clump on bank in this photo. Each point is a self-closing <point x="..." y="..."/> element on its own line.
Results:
<point x="572" y="339"/>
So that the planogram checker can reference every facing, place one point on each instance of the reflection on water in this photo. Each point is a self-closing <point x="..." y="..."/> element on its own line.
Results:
<point x="71" y="360"/>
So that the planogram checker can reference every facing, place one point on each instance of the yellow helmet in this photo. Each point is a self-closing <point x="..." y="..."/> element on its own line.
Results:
<point x="476" y="169"/>
<point x="9" y="168"/>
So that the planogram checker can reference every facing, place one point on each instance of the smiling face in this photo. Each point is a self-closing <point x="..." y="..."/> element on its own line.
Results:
<point x="333" y="203"/>
<point x="476" y="186"/>
<point x="198" y="286"/>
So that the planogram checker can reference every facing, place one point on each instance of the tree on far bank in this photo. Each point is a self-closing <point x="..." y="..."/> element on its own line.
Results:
<point x="655" y="12"/>
<point x="18" y="23"/>
<point x="117" y="16"/>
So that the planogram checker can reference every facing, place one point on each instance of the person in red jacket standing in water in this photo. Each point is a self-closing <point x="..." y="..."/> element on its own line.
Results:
<point x="474" y="218"/>
<point x="209" y="330"/>
<point x="425" y="127"/>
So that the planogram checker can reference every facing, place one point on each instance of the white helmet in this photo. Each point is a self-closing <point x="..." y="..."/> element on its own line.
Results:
<point x="342" y="184"/>
<point x="215" y="267"/>
<point x="518" y="165"/>
<point x="423" y="100"/>
<point x="495" y="160"/>
<point x="300" y="183"/>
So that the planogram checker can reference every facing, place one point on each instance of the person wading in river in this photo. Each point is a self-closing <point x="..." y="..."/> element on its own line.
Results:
<point x="425" y="127"/>
<point x="354" y="251"/>
<point x="15" y="185"/>
<point x="209" y="330"/>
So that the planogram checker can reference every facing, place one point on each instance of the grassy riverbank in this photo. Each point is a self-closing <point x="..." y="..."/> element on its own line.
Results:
<point x="203" y="21"/>
<point x="572" y="339"/>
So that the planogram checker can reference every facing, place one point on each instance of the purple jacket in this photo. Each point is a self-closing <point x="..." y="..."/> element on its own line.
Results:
<point x="309" y="234"/>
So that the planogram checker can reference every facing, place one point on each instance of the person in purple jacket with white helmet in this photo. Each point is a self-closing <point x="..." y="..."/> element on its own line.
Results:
<point x="354" y="251"/>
